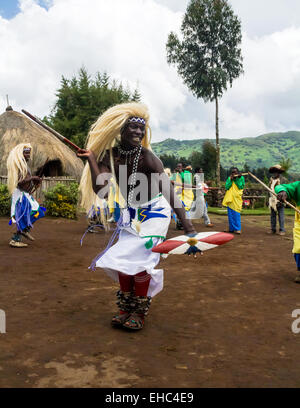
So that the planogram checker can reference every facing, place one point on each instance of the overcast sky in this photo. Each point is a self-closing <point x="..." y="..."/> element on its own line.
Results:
<point x="41" y="40"/>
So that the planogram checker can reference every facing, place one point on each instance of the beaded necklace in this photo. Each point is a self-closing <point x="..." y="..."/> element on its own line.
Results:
<point x="128" y="153"/>
<point x="133" y="176"/>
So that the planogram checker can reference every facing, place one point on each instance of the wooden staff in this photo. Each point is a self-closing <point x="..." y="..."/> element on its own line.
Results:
<point x="241" y="174"/>
<point x="58" y="135"/>
<point x="190" y="186"/>
<point x="272" y="192"/>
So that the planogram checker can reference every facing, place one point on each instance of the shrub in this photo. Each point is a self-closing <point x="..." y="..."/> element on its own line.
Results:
<point x="4" y="200"/>
<point x="61" y="200"/>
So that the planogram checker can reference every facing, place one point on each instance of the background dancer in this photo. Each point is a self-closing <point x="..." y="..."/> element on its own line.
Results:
<point x="179" y="178"/>
<point x="292" y="192"/>
<point x="97" y="216"/>
<point x="276" y="207"/>
<point x="233" y="200"/>
<point x="25" y="210"/>
<point x="121" y="137"/>
<point x="199" y="207"/>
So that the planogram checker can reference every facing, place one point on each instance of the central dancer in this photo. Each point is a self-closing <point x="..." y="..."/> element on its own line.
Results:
<point x="119" y="145"/>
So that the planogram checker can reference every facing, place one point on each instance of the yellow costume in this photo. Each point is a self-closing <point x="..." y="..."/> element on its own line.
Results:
<point x="234" y="202"/>
<point x="234" y="193"/>
<point x="185" y="195"/>
<point x="293" y="193"/>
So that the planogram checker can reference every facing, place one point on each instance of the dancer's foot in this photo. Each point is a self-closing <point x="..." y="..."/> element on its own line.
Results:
<point x="297" y="279"/>
<point x="209" y="225"/>
<point x="17" y="244"/>
<point x="179" y="226"/>
<point x="119" y="319"/>
<point x="27" y="235"/>
<point x="135" y="322"/>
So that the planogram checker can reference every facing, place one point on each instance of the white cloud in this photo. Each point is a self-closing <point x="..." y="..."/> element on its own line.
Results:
<point x="263" y="17"/>
<point x="271" y="83"/>
<point x="258" y="17"/>
<point x="127" y="39"/>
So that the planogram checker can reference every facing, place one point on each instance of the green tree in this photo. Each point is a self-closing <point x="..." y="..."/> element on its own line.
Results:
<point x="261" y="173"/>
<point x="209" y="155"/>
<point x="286" y="163"/>
<point x="169" y="161"/>
<point x="246" y="168"/>
<point x="81" y="99"/>
<point x="208" y="57"/>
<point x="136" y="97"/>
<point x="195" y="159"/>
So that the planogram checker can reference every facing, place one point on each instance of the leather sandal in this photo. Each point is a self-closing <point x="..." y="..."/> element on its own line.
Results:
<point x="119" y="319"/>
<point x="134" y="322"/>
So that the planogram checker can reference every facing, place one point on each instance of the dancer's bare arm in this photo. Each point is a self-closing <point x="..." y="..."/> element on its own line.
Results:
<point x="26" y="184"/>
<point x="152" y="163"/>
<point x="96" y="168"/>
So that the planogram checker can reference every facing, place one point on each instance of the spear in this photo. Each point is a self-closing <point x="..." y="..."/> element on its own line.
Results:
<point x="58" y="135"/>
<point x="272" y="192"/>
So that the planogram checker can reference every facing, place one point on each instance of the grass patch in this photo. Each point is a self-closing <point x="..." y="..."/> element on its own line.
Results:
<point x="254" y="211"/>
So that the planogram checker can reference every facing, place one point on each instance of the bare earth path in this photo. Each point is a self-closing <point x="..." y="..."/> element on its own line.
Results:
<point x="221" y="321"/>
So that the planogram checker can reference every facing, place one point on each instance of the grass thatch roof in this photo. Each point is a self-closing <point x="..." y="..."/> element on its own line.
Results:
<point x="16" y="128"/>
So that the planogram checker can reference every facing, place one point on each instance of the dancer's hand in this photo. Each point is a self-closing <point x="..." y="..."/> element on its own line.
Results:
<point x="36" y="179"/>
<point x="84" y="153"/>
<point x="282" y="196"/>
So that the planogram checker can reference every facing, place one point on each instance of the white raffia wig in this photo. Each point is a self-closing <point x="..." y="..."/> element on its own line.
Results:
<point x="103" y="136"/>
<point x="16" y="166"/>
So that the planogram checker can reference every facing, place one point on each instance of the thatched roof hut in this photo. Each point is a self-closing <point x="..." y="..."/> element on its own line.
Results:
<point x="16" y="128"/>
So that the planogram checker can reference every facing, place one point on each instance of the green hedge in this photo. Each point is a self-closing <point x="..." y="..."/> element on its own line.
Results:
<point x="61" y="200"/>
<point x="4" y="200"/>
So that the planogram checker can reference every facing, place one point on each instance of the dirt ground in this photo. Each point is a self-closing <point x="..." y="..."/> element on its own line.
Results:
<point x="223" y="320"/>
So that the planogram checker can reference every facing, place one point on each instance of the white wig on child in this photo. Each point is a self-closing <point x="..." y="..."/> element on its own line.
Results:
<point x="103" y="136"/>
<point x="16" y="166"/>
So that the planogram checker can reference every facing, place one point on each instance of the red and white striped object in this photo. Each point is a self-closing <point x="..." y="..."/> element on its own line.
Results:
<point x="204" y="187"/>
<point x="203" y="241"/>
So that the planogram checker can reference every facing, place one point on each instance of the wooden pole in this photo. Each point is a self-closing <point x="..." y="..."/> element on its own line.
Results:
<point x="58" y="135"/>
<point x="272" y="192"/>
<point x="218" y="169"/>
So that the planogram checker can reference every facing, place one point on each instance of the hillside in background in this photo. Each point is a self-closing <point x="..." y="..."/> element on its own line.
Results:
<point x="261" y="151"/>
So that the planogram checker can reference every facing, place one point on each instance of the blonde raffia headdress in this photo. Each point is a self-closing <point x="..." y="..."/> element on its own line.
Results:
<point x="104" y="134"/>
<point x="16" y="166"/>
